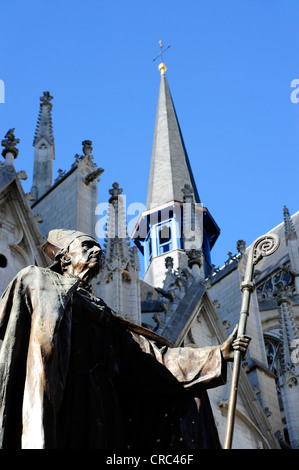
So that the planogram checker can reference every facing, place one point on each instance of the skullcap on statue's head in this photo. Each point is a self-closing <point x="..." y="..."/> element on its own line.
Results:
<point x="60" y="239"/>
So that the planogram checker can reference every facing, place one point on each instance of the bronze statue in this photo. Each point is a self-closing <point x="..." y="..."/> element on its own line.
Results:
<point x="73" y="374"/>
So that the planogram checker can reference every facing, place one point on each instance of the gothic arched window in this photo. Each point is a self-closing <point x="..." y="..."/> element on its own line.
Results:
<point x="273" y="348"/>
<point x="273" y="351"/>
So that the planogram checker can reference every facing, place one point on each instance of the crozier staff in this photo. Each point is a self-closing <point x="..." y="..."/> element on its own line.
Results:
<point x="73" y="374"/>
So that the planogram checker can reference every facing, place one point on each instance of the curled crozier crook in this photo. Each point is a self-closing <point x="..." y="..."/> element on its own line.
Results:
<point x="263" y="246"/>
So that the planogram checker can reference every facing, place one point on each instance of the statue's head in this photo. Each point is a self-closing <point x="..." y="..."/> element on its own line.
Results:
<point x="74" y="253"/>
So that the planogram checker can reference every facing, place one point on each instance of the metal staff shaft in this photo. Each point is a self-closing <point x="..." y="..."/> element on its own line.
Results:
<point x="263" y="246"/>
<point x="236" y="370"/>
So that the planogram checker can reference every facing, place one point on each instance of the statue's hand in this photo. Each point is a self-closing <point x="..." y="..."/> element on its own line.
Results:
<point x="235" y="344"/>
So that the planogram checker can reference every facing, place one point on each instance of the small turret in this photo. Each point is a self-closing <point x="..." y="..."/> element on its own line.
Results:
<point x="119" y="279"/>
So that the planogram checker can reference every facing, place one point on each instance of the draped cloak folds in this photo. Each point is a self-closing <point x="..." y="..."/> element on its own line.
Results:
<point x="73" y="374"/>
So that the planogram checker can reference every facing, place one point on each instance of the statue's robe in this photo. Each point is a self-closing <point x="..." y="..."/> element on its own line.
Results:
<point x="75" y="375"/>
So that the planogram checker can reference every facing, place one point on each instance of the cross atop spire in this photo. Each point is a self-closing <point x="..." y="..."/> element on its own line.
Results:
<point x="46" y="98"/>
<point x="162" y="67"/>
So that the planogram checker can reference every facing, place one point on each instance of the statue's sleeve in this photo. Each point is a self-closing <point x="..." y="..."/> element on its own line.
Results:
<point x="196" y="365"/>
<point x="190" y="365"/>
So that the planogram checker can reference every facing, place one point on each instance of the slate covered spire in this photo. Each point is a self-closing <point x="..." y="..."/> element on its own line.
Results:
<point x="161" y="228"/>
<point x="170" y="168"/>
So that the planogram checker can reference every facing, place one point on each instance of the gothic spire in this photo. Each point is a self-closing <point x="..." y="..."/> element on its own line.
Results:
<point x="44" y="151"/>
<point x="116" y="241"/>
<point x="170" y="168"/>
<point x="119" y="278"/>
<point x="289" y="229"/>
<point x="44" y="121"/>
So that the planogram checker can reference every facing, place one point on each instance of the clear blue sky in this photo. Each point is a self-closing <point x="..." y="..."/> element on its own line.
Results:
<point x="230" y="68"/>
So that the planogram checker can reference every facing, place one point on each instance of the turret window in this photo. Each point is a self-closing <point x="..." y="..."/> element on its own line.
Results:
<point x="164" y="238"/>
<point x="150" y="247"/>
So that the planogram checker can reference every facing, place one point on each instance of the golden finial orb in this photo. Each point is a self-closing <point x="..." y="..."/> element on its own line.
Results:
<point x="162" y="67"/>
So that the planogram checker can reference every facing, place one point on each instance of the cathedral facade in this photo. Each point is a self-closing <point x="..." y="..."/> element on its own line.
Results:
<point x="182" y="295"/>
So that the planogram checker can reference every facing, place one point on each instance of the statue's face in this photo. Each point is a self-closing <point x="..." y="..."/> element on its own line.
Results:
<point x="85" y="255"/>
